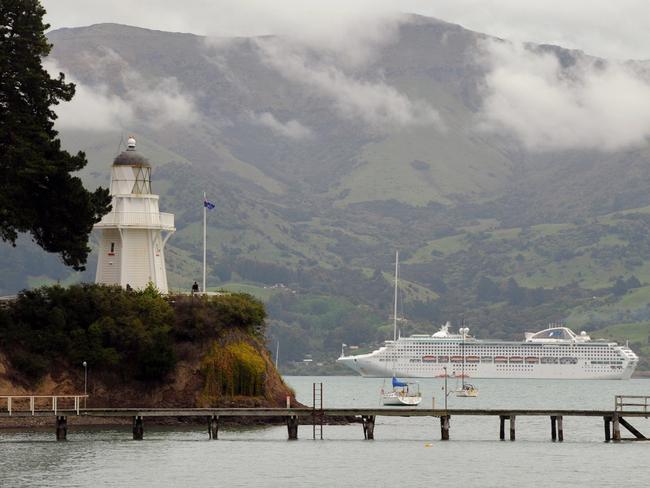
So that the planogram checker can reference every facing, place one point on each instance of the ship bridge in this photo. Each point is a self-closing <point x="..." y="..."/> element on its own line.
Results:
<point x="557" y="334"/>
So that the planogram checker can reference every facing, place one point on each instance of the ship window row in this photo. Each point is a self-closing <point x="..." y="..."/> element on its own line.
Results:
<point x="470" y="360"/>
<point x="517" y="347"/>
<point x="518" y="351"/>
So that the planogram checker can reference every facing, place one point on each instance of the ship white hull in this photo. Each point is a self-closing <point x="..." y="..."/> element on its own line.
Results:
<point x="553" y="353"/>
<point x="370" y="367"/>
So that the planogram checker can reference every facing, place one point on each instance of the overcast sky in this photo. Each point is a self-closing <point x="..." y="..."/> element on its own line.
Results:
<point x="614" y="29"/>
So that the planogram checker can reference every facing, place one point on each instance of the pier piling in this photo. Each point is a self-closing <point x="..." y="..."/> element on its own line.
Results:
<point x="553" y="428"/>
<point x="637" y="435"/>
<point x="616" y="434"/>
<point x="607" y="421"/>
<point x="444" y="427"/>
<point x="213" y="427"/>
<point x="557" y="431"/>
<point x="368" y="427"/>
<point x="292" y="427"/>
<point x="61" y="428"/>
<point x="138" y="428"/>
<point x="502" y="427"/>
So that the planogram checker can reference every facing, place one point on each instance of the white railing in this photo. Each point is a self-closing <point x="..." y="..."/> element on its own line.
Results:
<point x="18" y="403"/>
<point x="632" y="403"/>
<point x="138" y="219"/>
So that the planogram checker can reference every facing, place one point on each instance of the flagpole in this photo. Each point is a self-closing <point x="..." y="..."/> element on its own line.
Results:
<point x="204" y="238"/>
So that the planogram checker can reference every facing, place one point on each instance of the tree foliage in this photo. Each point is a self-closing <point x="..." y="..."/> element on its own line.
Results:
<point x="38" y="194"/>
<point x="131" y="334"/>
<point x="128" y="333"/>
<point x="202" y="317"/>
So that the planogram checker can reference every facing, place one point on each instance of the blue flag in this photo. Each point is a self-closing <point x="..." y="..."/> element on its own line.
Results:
<point x="208" y="205"/>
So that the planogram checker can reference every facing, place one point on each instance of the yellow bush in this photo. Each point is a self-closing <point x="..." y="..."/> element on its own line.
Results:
<point x="232" y="370"/>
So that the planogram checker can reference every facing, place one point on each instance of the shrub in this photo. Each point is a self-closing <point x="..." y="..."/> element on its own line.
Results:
<point x="232" y="370"/>
<point x="125" y="332"/>
<point x="201" y="317"/>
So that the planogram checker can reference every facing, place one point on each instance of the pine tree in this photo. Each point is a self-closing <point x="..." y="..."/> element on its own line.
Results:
<point x="38" y="194"/>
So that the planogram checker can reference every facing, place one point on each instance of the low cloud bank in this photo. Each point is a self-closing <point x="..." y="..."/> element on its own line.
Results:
<point x="375" y="103"/>
<point x="291" y="129"/>
<point x="144" y="102"/>
<point x="591" y="104"/>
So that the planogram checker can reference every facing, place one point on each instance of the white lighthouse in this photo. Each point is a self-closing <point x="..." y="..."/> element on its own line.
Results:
<point x="131" y="244"/>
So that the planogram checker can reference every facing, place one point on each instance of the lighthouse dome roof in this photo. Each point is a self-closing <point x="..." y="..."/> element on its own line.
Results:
<point x="131" y="158"/>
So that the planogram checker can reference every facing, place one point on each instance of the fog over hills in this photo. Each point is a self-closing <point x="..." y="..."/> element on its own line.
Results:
<point x="474" y="156"/>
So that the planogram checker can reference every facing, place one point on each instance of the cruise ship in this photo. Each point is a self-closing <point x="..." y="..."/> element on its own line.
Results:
<point x="553" y="353"/>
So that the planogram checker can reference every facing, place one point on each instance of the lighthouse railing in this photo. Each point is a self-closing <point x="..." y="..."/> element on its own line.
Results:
<point x="138" y="219"/>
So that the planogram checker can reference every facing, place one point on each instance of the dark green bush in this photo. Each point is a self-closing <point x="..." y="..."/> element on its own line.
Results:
<point x="128" y="333"/>
<point x="201" y="317"/>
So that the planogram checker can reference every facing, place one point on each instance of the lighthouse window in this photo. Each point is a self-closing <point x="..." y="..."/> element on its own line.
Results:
<point x="112" y="247"/>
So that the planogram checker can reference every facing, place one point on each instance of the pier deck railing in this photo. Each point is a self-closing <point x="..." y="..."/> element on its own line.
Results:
<point x="34" y="404"/>
<point x="626" y="403"/>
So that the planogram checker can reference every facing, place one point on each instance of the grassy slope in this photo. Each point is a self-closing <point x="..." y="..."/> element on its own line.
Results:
<point x="419" y="165"/>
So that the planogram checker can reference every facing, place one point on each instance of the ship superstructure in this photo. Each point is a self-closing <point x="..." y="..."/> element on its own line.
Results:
<point x="556" y="352"/>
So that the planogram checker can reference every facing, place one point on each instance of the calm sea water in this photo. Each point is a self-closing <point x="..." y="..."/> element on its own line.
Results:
<point x="405" y="452"/>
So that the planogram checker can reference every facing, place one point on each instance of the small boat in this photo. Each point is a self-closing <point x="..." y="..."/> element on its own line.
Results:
<point x="467" y="390"/>
<point x="401" y="394"/>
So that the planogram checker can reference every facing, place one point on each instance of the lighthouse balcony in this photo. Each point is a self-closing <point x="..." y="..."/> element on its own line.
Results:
<point x="139" y="220"/>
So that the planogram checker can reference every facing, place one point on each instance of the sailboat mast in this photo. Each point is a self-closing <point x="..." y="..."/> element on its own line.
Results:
<point x="395" y="306"/>
<point x="463" y="373"/>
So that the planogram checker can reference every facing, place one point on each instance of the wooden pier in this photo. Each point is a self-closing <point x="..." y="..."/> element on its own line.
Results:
<point x="626" y="408"/>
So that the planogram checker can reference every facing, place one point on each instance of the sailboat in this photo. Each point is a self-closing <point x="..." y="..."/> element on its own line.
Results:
<point x="466" y="389"/>
<point x="403" y="393"/>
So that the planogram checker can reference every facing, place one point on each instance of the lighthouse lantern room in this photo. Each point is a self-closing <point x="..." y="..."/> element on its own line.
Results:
<point x="133" y="235"/>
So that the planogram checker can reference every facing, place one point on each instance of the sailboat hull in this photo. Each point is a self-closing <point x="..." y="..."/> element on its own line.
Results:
<point x="400" y="398"/>
<point x="467" y="393"/>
